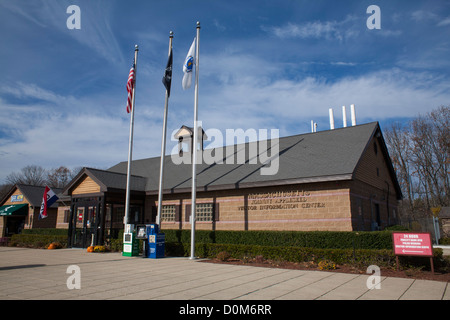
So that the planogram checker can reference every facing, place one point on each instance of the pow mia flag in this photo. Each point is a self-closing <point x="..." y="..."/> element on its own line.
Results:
<point x="167" y="79"/>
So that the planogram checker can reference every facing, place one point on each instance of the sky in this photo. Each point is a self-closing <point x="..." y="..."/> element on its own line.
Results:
<point x="263" y="65"/>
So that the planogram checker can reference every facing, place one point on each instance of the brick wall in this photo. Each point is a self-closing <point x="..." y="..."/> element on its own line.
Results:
<point x="367" y="202"/>
<point x="320" y="206"/>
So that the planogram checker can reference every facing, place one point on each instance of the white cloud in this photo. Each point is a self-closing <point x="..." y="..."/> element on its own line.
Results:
<point x="96" y="31"/>
<point x="317" y="29"/>
<point x="422" y="15"/>
<point x="242" y="99"/>
<point x="24" y="91"/>
<point x="444" y="22"/>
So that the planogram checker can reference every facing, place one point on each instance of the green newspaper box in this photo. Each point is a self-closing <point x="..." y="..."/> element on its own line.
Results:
<point x="130" y="244"/>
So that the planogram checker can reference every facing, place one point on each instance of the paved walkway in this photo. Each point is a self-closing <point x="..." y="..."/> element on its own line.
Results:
<point x="42" y="274"/>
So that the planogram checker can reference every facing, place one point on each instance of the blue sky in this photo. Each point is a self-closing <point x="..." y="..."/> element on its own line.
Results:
<point x="263" y="64"/>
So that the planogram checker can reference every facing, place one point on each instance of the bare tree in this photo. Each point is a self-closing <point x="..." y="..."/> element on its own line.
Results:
<point x="59" y="177"/>
<point x="400" y="148"/>
<point x="420" y="154"/>
<point x="431" y="150"/>
<point x="31" y="175"/>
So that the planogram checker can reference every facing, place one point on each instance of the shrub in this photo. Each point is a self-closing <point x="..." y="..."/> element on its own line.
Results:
<point x="310" y="239"/>
<point x="37" y="240"/>
<point x="116" y="245"/>
<point x="99" y="249"/>
<point x="396" y="228"/>
<point x="223" y="256"/>
<point x="46" y="231"/>
<point x="327" y="265"/>
<point x="365" y="257"/>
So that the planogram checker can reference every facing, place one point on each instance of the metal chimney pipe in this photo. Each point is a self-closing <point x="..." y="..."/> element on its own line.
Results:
<point x="352" y="110"/>
<point x="331" y="119"/>
<point x="344" y="117"/>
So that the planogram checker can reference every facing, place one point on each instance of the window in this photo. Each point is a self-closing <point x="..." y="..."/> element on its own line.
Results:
<point x="168" y="213"/>
<point x="66" y="216"/>
<point x="204" y="212"/>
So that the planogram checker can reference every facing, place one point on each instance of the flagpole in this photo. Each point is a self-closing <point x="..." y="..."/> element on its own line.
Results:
<point x="163" y="147"/>
<point x="194" y="146"/>
<point x="130" y="146"/>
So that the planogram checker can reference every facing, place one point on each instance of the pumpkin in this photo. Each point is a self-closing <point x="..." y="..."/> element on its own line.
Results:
<point x="51" y="246"/>
<point x="90" y="249"/>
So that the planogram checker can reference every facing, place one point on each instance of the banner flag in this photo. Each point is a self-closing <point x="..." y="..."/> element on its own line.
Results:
<point x="48" y="199"/>
<point x="167" y="79"/>
<point x="188" y="67"/>
<point x="130" y="85"/>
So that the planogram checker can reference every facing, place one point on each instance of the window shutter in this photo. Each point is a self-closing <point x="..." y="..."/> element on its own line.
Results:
<point x="177" y="213"/>
<point x="187" y="212"/>
<point x="216" y="211"/>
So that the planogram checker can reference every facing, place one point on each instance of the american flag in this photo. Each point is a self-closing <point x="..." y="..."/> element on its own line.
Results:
<point x="130" y="86"/>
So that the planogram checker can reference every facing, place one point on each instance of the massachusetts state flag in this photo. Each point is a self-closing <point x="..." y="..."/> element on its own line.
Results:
<point x="48" y="199"/>
<point x="130" y="86"/>
<point x="188" y="67"/>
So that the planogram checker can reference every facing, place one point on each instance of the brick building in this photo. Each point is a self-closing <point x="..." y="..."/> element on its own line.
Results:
<point x="336" y="180"/>
<point x="20" y="210"/>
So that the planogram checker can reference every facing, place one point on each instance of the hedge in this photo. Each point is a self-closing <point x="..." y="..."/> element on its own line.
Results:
<point x="37" y="240"/>
<point x="46" y="231"/>
<point x="308" y="239"/>
<point x="361" y="257"/>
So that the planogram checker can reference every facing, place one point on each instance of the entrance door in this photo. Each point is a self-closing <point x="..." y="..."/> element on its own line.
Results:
<point x="14" y="225"/>
<point x="85" y="223"/>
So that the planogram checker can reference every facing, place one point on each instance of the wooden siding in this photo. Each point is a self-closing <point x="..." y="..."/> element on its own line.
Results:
<point x="86" y="186"/>
<point x="16" y="193"/>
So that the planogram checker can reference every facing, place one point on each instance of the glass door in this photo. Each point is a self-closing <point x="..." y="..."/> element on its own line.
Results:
<point x="79" y="229"/>
<point x="90" y="225"/>
<point x="85" y="226"/>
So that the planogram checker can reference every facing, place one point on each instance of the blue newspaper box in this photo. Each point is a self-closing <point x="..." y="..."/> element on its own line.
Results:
<point x="156" y="242"/>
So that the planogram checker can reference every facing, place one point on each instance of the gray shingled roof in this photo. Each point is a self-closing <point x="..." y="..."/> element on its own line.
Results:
<point x="114" y="180"/>
<point x="320" y="156"/>
<point x="109" y="180"/>
<point x="33" y="194"/>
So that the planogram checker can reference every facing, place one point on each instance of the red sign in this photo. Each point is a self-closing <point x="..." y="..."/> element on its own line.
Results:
<point x="412" y="244"/>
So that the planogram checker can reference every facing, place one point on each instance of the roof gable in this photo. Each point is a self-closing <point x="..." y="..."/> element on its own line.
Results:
<point x="33" y="194"/>
<point x="96" y="180"/>
<point x="375" y="165"/>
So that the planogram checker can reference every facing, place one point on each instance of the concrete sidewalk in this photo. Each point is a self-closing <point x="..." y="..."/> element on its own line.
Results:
<point x="42" y="274"/>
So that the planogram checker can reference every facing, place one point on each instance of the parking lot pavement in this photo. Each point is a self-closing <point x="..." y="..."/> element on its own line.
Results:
<point x="74" y="274"/>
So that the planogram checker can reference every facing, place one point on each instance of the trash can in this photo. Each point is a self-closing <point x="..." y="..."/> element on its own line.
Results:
<point x="156" y="242"/>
